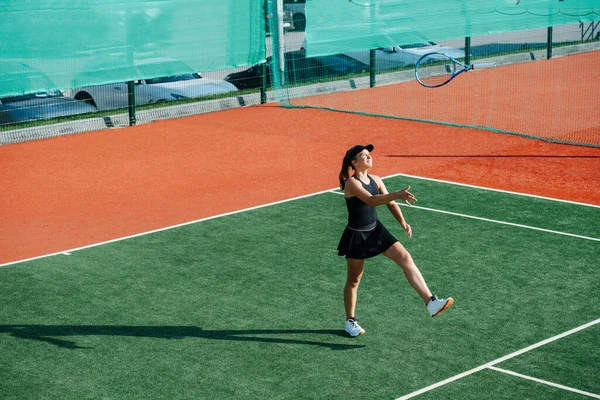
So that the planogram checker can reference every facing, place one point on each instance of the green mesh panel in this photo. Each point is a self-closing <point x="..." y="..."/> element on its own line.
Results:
<point x="57" y="44"/>
<point x="547" y="55"/>
<point x="335" y="26"/>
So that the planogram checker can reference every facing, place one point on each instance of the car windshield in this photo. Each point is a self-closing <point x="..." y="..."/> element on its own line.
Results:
<point x="176" y="78"/>
<point x="337" y="63"/>
<point x="31" y="96"/>
<point x="415" y="45"/>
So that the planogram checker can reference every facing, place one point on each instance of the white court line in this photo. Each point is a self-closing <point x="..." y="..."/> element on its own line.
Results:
<point x="68" y="252"/>
<point x="494" y="190"/>
<point x="491" y="220"/>
<point x="274" y="203"/>
<point x="497" y="361"/>
<point x="556" y="385"/>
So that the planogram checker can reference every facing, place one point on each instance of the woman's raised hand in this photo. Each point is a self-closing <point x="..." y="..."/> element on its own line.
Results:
<point x="406" y="196"/>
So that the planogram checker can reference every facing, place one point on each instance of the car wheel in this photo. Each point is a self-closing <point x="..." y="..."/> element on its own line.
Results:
<point x="299" y="22"/>
<point x="85" y="96"/>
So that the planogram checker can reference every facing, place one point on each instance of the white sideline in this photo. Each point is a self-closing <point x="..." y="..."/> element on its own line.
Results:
<point x="67" y="252"/>
<point x="494" y="190"/>
<point x="556" y="385"/>
<point x="503" y="222"/>
<point x="497" y="361"/>
<point x="491" y="220"/>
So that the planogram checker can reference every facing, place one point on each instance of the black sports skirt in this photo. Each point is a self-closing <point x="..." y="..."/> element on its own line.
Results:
<point x="365" y="244"/>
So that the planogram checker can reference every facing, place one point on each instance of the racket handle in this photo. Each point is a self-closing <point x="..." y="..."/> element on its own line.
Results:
<point x="484" y="65"/>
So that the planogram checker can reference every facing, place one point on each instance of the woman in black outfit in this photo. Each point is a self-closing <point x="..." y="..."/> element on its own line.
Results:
<point x="366" y="237"/>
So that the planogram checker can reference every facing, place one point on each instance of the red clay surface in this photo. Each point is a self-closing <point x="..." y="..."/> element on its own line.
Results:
<point x="72" y="191"/>
<point x="555" y="99"/>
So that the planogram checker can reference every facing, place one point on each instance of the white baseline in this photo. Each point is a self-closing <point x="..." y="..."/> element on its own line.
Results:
<point x="494" y="190"/>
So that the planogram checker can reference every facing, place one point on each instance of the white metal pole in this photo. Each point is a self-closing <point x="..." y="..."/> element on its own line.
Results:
<point x="281" y="40"/>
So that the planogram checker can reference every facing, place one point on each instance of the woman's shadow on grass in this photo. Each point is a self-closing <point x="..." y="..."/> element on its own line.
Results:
<point x="49" y="334"/>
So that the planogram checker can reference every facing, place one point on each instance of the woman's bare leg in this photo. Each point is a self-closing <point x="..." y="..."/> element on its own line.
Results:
<point x="402" y="257"/>
<point x="355" y="271"/>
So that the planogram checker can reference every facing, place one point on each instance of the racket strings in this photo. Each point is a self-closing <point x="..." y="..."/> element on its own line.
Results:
<point x="435" y="71"/>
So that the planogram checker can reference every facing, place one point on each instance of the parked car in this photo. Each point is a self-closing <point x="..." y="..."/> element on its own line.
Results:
<point x="299" y="68"/>
<point x="181" y="86"/>
<point x="296" y="9"/>
<point x="403" y="56"/>
<point x="40" y="106"/>
<point x="22" y="78"/>
<point x="37" y="105"/>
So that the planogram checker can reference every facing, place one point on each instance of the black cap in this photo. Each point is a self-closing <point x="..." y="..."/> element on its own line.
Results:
<point x="354" y="150"/>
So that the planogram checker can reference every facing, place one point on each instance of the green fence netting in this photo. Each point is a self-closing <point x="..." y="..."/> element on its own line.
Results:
<point x="547" y="55"/>
<point x="336" y="26"/>
<point x="59" y="44"/>
<point x="355" y="56"/>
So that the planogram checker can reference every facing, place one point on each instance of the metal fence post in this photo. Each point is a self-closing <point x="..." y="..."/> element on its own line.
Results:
<point x="468" y="50"/>
<point x="549" y="44"/>
<point x="263" y="86"/>
<point x="372" y="67"/>
<point x="131" y="102"/>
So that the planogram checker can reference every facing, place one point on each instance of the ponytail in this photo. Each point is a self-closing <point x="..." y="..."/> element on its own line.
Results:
<point x="345" y="172"/>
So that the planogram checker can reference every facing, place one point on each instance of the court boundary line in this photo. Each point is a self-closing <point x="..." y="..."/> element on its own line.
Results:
<point x="495" y="190"/>
<point x="64" y="252"/>
<point x="498" y="360"/>
<point x="491" y="220"/>
<point x="166" y="228"/>
<point x="556" y="385"/>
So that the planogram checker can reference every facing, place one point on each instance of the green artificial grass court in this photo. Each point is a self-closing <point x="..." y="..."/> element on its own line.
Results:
<point x="250" y="306"/>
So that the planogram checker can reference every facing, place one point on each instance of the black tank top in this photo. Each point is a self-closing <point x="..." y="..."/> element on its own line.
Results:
<point x="362" y="216"/>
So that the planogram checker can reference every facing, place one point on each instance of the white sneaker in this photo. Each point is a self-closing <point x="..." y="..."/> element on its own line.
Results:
<point x="353" y="328"/>
<point x="437" y="306"/>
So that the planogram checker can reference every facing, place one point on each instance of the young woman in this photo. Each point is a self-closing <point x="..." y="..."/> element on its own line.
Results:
<point x="366" y="237"/>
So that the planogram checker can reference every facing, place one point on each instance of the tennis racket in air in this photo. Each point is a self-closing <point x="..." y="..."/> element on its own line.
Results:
<point x="437" y="69"/>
